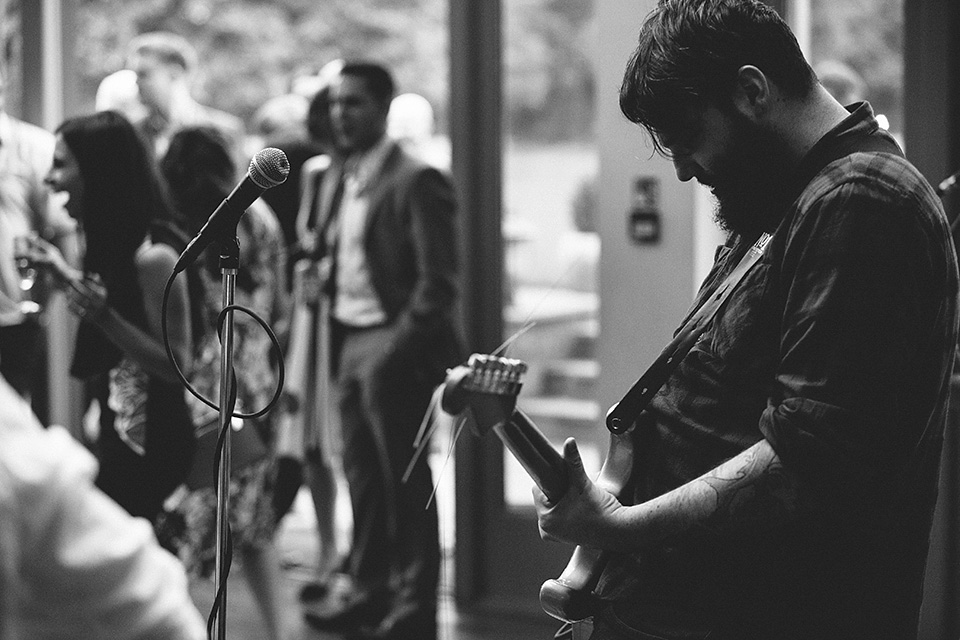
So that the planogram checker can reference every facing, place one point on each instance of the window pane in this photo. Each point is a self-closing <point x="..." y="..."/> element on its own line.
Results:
<point x="856" y="47"/>
<point x="551" y="246"/>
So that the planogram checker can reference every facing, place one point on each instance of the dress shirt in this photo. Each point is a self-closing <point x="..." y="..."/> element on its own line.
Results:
<point x="357" y="303"/>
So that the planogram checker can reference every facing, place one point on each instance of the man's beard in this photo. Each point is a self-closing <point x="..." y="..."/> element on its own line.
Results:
<point x="752" y="188"/>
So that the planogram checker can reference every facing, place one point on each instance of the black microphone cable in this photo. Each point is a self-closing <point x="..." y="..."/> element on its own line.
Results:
<point x="221" y="438"/>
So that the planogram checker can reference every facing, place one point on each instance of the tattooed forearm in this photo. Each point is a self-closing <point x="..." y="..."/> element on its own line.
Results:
<point x="751" y="488"/>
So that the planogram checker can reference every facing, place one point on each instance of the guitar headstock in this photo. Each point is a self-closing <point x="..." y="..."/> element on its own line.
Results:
<point x="489" y="385"/>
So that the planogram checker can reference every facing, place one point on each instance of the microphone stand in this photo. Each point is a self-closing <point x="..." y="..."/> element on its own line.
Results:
<point x="229" y="264"/>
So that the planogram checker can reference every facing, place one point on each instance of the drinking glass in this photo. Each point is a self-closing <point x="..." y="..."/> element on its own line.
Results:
<point x="28" y="275"/>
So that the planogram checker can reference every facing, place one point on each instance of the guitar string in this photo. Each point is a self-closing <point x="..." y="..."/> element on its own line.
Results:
<point x="427" y="428"/>
<point x="458" y="428"/>
<point x="528" y="322"/>
<point x="435" y="410"/>
<point x="425" y="433"/>
<point x="435" y="415"/>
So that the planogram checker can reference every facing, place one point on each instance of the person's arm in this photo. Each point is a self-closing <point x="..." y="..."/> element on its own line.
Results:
<point x="311" y="183"/>
<point x="433" y="208"/>
<point x="146" y="347"/>
<point x="748" y="489"/>
<point x="88" y="299"/>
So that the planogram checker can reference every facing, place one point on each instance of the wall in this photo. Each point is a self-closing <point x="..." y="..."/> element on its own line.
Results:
<point x="644" y="289"/>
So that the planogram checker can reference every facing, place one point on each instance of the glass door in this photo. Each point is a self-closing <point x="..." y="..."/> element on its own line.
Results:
<point x="547" y="167"/>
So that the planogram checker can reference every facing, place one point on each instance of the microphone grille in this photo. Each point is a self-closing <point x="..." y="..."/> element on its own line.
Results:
<point x="269" y="167"/>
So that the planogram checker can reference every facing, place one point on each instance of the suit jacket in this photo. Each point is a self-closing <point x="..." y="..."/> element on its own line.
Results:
<point x="410" y="241"/>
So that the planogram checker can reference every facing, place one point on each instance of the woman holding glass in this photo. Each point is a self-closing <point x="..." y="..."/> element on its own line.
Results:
<point x="146" y="438"/>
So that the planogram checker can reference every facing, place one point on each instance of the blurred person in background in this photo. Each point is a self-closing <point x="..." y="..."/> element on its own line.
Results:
<point x="118" y="92"/>
<point x="411" y="122"/>
<point x="200" y="174"/>
<point x="386" y="228"/>
<point x="27" y="210"/>
<point x="165" y="64"/>
<point x="74" y="564"/>
<point x="309" y="443"/>
<point x="841" y="80"/>
<point x="847" y="85"/>
<point x="145" y="439"/>
<point x="281" y="122"/>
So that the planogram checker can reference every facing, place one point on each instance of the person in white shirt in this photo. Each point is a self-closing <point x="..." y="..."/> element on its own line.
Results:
<point x="73" y="563"/>
<point x="165" y="64"/>
<point x="26" y="209"/>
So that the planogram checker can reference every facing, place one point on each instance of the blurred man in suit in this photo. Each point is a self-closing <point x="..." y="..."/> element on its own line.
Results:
<point x="387" y="231"/>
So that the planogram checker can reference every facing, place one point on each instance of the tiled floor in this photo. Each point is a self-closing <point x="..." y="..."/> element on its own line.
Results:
<point x="297" y="547"/>
<point x="243" y="621"/>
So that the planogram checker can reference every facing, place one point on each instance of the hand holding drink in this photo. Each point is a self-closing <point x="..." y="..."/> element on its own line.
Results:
<point x="87" y="296"/>
<point x="86" y="293"/>
<point x="28" y="273"/>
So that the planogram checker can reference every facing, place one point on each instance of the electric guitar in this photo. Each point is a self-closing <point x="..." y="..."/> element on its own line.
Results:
<point x="488" y="387"/>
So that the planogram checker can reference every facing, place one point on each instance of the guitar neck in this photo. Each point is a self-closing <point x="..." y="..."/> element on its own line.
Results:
<point x="536" y="455"/>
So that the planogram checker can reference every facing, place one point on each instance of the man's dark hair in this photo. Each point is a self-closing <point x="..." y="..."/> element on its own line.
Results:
<point x="690" y="51"/>
<point x="377" y="78"/>
<point x="123" y="189"/>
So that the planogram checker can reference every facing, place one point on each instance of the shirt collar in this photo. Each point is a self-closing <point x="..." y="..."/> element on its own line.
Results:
<point x="860" y="123"/>
<point x="365" y="166"/>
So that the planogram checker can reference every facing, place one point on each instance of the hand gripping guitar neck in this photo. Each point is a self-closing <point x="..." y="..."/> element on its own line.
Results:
<point x="487" y="387"/>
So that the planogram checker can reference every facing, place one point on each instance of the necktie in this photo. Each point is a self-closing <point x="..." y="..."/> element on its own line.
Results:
<point x="329" y="229"/>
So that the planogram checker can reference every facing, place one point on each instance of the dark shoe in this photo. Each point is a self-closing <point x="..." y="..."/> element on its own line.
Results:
<point x="347" y="612"/>
<point x="402" y="623"/>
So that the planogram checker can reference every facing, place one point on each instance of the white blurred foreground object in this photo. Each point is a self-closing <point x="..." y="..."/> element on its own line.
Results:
<point x="73" y="563"/>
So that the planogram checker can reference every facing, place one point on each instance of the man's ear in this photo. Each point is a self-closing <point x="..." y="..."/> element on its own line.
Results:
<point x="751" y="92"/>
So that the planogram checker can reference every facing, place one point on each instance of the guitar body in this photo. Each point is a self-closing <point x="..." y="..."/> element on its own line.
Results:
<point x="570" y="597"/>
<point x="487" y="387"/>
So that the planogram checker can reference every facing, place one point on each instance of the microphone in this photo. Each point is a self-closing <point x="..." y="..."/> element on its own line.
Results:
<point x="948" y="184"/>
<point x="268" y="168"/>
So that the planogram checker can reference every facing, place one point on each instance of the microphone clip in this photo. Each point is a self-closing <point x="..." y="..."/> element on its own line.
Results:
<point x="229" y="252"/>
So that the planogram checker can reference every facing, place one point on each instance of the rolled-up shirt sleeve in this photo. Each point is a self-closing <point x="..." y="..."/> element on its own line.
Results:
<point x="865" y="278"/>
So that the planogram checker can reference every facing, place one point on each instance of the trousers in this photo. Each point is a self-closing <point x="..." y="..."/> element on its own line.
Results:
<point x="382" y="395"/>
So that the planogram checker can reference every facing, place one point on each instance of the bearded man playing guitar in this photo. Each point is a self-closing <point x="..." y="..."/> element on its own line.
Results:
<point x="788" y="465"/>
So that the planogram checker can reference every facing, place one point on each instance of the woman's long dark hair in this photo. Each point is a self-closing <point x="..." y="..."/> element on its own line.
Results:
<point x="123" y="194"/>
<point x="123" y="197"/>
<point x="200" y="172"/>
